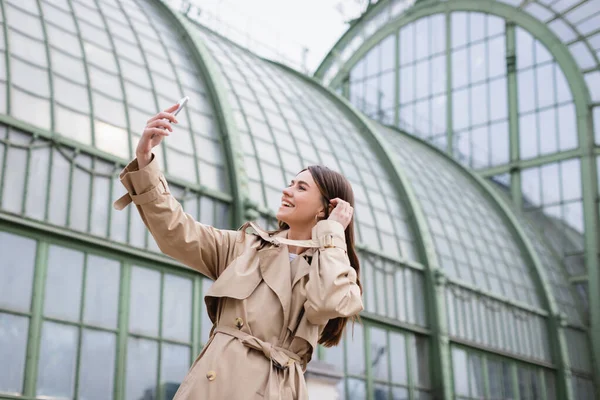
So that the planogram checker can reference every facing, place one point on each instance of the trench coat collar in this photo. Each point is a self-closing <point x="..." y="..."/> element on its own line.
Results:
<point x="280" y="279"/>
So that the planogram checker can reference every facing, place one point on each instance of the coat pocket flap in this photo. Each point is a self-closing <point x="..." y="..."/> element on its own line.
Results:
<point x="238" y="280"/>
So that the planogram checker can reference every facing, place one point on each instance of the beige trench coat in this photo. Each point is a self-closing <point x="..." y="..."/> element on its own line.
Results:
<point x="268" y="313"/>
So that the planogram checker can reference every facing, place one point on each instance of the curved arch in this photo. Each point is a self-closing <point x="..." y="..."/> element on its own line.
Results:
<point x="556" y="319"/>
<point x="223" y="112"/>
<point x="434" y="275"/>
<point x="555" y="46"/>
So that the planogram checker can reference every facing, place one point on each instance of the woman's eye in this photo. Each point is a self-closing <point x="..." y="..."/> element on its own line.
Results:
<point x="301" y="188"/>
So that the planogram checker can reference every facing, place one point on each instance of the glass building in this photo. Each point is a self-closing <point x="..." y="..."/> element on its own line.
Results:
<point x="476" y="186"/>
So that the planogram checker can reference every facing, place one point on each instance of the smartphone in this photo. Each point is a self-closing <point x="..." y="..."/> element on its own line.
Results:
<point x="180" y="104"/>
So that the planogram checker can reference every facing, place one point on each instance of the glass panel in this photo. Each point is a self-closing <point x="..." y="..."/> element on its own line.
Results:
<point x="420" y="360"/>
<point x="100" y="205"/>
<point x="63" y="283"/>
<point x="177" y="308"/>
<point x="102" y="292"/>
<point x="56" y="371"/>
<point x="175" y="362"/>
<point x="379" y="354"/>
<point x="459" y="368"/>
<point x="59" y="186"/>
<point x="357" y="389"/>
<point x="145" y="297"/>
<point x="355" y="351"/>
<point x="37" y="185"/>
<point x="142" y="356"/>
<point x="400" y="394"/>
<point x="14" y="178"/>
<point x="398" y="357"/>
<point x="16" y="269"/>
<point x="476" y="374"/>
<point x="13" y="347"/>
<point x="96" y="376"/>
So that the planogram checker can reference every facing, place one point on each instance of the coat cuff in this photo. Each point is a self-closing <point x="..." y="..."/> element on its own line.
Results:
<point x="143" y="185"/>
<point x="329" y="234"/>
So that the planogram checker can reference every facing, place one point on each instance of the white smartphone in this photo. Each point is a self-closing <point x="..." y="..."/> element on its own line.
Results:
<point x="181" y="103"/>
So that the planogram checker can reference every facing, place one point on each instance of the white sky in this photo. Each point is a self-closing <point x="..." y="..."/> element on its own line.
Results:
<point x="289" y="26"/>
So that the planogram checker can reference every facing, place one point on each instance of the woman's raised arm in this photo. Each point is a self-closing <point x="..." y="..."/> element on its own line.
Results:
<point x="178" y="235"/>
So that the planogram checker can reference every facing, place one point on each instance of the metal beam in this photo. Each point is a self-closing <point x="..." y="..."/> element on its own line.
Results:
<point x="555" y="318"/>
<point x="441" y="366"/>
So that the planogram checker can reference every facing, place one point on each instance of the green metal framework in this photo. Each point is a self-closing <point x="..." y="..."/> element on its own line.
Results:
<point x="380" y="22"/>
<point x="384" y="317"/>
<point x="231" y="141"/>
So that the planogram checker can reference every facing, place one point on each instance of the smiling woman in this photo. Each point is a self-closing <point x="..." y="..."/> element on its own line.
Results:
<point x="270" y="310"/>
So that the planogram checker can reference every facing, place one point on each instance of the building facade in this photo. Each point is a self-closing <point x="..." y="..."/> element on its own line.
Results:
<point x="465" y="296"/>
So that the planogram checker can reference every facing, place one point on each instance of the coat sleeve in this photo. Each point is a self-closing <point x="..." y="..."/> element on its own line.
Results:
<point x="331" y="290"/>
<point x="201" y="247"/>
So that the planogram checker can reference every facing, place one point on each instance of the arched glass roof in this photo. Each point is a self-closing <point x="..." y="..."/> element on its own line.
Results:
<point x="286" y="124"/>
<point x="94" y="72"/>
<point x="472" y="241"/>
<point x="575" y="23"/>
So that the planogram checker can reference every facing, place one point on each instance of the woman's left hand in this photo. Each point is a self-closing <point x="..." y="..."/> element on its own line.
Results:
<point x="342" y="212"/>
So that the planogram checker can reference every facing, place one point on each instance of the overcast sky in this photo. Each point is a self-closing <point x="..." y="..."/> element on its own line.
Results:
<point x="287" y="25"/>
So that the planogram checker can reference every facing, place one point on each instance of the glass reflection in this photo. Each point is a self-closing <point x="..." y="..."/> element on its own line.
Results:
<point x="175" y="361"/>
<point x="63" y="283"/>
<point x="58" y="351"/>
<point x="357" y="389"/>
<point x="96" y="376"/>
<point x="144" y="303"/>
<point x="13" y="346"/>
<point x="16" y="269"/>
<point x="177" y="308"/>
<point x="355" y="350"/>
<point x="102" y="292"/>
<point x="379" y="354"/>
<point x="142" y="360"/>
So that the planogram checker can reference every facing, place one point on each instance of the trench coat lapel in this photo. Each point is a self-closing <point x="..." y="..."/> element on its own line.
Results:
<point x="303" y="266"/>
<point x="275" y="270"/>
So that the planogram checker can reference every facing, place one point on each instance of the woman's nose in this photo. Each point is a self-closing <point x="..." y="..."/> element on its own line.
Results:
<point x="287" y="191"/>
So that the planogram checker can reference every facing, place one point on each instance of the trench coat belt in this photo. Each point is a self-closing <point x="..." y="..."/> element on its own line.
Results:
<point x="280" y="358"/>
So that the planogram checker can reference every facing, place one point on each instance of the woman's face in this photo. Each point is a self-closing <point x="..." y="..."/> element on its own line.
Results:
<point x="301" y="201"/>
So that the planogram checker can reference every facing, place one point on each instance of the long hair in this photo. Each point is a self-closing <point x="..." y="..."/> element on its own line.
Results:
<point x="333" y="185"/>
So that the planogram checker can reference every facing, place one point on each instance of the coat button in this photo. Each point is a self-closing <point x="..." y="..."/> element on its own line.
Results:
<point x="211" y="375"/>
<point x="239" y="323"/>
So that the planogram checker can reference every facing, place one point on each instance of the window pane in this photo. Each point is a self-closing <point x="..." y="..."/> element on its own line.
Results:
<point x="63" y="283"/>
<point x="37" y="184"/>
<point x="16" y="269"/>
<point x="357" y="390"/>
<point x="80" y="194"/>
<point x="398" y="357"/>
<point x="97" y="367"/>
<point x="459" y="367"/>
<point x="400" y="394"/>
<point x="379" y="354"/>
<point x="102" y="292"/>
<point x="355" y="350"/>
<point x="177" y="308"/>
<point x="14" y="178"/>
<point x="145" y="297"/>
<point x="420" y="360"/>
<point x="56" y="371"/>
<point x="59" y="186"/>
<point x="175" y="362"/>
<point x="13" y="346"/>
<point x="100" y="205"/>
<point x="142" y="362"/>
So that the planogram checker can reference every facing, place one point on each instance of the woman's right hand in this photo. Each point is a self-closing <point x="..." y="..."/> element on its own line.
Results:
<point x="156" y="129"/>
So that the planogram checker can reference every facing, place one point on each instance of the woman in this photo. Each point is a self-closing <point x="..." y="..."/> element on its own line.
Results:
<point x="276" y="295"/>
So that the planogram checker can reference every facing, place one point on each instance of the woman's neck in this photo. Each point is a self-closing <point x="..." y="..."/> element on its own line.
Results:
<point x="298" y="234"/>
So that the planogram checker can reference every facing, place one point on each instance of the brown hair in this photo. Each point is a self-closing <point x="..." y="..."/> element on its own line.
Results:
<point x="333" y="185"/>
